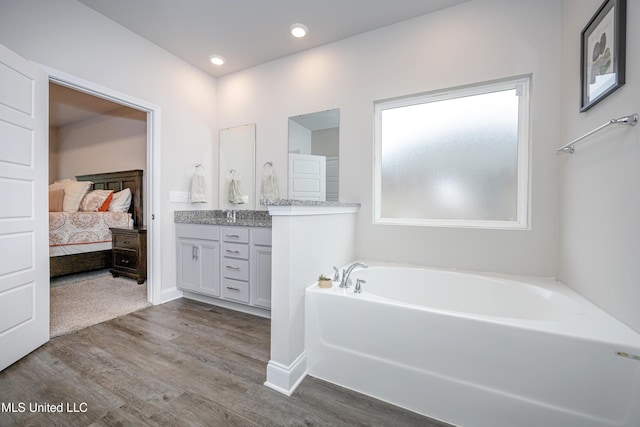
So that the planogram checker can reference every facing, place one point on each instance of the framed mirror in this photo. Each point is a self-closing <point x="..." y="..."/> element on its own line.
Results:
<point x="236" y="172"/>
<point x="313" y="172"/>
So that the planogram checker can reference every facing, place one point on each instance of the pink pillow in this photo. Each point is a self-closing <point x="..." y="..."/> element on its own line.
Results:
<point x="74" y="192"/>
<point x="56" y="197"/>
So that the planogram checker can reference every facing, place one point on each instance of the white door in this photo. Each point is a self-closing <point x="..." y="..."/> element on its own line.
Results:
<point x="333" y="179"/>
<point x="307" y="177"/>
<point x="24" y="170"/>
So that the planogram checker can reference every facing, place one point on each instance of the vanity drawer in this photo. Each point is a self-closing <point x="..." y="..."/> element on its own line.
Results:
<point x="235" y="234"/>
<point x="235" y="250"/>
<point x="198" y="231"/>
<point x="235" y="269"/>
<point x="261" y="236"/>
<point x="235" y="290"/>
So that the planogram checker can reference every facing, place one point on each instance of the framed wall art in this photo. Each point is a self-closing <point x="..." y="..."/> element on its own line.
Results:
<point x="603" y="49"/>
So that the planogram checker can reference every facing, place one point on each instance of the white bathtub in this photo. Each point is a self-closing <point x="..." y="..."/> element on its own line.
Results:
<point x="475" y="351"/>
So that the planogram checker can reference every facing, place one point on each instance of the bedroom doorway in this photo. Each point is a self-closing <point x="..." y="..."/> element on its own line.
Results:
<point x="89" y="108"/>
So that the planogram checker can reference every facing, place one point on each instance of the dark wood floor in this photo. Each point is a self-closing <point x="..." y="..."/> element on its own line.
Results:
<point x="179" y="364"/>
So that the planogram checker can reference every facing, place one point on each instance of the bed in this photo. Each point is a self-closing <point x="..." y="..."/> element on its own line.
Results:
<point x="69" y="256"/>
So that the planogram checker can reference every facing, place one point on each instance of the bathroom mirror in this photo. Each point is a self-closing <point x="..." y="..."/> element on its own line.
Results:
<point x="314" y="156"/>
<point x="236" y="172"/>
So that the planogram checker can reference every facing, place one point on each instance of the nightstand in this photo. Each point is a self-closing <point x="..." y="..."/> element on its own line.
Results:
<point x="130" y="253"/>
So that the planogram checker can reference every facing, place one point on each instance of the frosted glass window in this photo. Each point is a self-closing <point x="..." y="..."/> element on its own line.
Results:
<point x="454" y="159"/>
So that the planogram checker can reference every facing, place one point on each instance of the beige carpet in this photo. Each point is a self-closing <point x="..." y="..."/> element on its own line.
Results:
<point x="96" y="299"/>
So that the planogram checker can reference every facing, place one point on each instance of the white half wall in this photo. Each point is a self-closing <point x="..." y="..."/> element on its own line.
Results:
<point x="306" y="242"/>
<point x="480" y="40"/>
<point x="600" y="221"/>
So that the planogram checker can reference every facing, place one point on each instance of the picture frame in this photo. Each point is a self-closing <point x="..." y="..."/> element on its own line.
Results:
<point x="602" y="53"/>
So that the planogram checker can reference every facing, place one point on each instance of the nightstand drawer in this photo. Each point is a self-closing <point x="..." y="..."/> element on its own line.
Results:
<point x="125" y="259"/>
<point x="124" y="240"/>
<point x="129" y="253"/>
<point x="235" y="290"/>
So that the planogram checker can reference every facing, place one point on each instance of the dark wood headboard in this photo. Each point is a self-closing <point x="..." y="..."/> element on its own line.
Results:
<point x="118" y="181"/>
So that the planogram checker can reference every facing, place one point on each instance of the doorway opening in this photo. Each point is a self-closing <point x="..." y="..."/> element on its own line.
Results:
<point x="94" y="130"/>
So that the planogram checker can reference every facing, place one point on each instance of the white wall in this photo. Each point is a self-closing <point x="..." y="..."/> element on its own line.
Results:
<point x="299" y="138"/>
<point x="476" y="41"/>
<point x="72" y="38"/>
<point x="102" y="144"/>
<point x="600" y="227"/>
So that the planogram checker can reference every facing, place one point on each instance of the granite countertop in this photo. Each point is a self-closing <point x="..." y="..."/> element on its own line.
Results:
<point x="244" y="218"/>
<point x="293" y="202"/>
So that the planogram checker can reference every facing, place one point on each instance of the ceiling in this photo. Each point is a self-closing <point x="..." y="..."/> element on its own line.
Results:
<point x="252" y="32"/>
<point x="319" y="121"/>
<point x="68" y="106"/>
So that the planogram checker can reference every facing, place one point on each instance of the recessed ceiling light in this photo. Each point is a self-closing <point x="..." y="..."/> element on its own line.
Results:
<point x="298" y="30"/>
<point x="216" y="59"/>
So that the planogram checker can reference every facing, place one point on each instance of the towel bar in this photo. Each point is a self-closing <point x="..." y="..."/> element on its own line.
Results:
<point x="630" y="120"/>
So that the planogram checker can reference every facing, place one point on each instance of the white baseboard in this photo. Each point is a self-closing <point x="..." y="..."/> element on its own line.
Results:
<point x="170" y="294"/>
<point x="285" y="379"/>
<point x="256" y="311"/>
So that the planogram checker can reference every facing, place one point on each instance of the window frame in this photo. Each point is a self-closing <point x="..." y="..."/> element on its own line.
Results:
<point x="522" y="84"/>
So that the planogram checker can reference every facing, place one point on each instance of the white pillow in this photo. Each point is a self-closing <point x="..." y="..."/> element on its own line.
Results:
<point x="121" y="201"/>
<point x="74" y="192"/>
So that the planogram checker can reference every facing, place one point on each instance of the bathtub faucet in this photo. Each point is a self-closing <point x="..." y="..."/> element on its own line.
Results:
<point x="358" y="289"/>
<point x="346" y="281"/>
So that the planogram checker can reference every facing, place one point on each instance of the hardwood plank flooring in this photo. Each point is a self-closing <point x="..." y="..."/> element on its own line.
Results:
<point x="182" y="363"/>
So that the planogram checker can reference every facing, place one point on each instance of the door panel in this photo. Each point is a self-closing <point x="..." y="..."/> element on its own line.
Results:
<point x="16" y="254"/>
<point x="261" y="276"/>
<point x="188" y="265"/>
<point x="19" y="307"/>
<point x="210" y="259"/>
<point x="307" y="177"/>
<point x="24" y="169"/>
<point x="16" y="85"/>
<point x="16" y="144"/>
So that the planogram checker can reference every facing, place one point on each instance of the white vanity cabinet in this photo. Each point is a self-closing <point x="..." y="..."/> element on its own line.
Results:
<point x="242" y="265"/>
<point x="198" y="251"/>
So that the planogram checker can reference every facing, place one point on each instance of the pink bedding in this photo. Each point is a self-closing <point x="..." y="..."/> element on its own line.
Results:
<point x="71" y="228"/>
